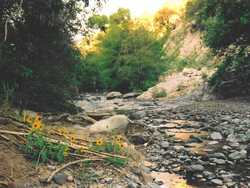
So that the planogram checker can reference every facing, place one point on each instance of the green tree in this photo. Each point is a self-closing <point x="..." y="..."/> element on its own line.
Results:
<point x="120" y="17"/>
<point x="129" y="59"/>
<point x="98" y="22"/>
<point x="36" y="54"/>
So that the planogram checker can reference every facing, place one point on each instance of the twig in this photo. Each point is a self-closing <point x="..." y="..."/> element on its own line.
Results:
<point x="13" y="133"/>
<point x="4" y="137"/>
<point x="69" y="164"/>
<point x="4" y="183"/>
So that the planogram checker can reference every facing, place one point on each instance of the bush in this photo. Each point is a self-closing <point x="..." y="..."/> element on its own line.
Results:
<point x="223" y="22"/>
<point x="233" y="75"/>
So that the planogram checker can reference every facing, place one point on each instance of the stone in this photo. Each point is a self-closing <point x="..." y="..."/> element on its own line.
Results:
<point x="132" y="185"/>
<point x="216" y="136"/>
<point x="231" y="138"/>
<point x="196" y="168"/>
<point x="165" y="144"/>
<point x="138" y="138"/>
<point x="130" y="95"/>
<point x="217" y="155"/>
<point x="60" y="178"/>
<point x="114" y="123"/>
<point x="113" y="95"/>
<point x="218" y="161"/>
<point x="238" y="155"/>
<point x="70" y="178"/>
<point x="217" y="182"/>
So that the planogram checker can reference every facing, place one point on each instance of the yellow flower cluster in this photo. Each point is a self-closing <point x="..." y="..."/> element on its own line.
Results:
<point x="36" y="122"/>
<point x="117" y="140"/>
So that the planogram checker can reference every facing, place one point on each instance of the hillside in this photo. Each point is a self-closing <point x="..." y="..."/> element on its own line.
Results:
<point x="191" y="65"/>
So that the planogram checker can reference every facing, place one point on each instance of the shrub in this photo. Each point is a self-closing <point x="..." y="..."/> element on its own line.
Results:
<point x="223" y="22"/>
<point x="233" y="75"/>
<point x="39" y="149"/>
<point x="159" y="94"/>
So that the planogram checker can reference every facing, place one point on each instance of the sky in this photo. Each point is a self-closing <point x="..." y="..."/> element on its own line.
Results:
<point x="139" y="8"/>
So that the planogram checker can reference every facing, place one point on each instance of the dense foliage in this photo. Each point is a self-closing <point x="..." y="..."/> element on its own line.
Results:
<point x="36" y="57"/>
<point x="129" y="57"/>
<point x="222" y="22"/>
<point x="226" y="28"/>
<point x="233" y="75"/>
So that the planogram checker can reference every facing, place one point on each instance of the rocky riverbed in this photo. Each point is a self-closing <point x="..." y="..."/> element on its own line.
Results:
<point x="207" y="143"/>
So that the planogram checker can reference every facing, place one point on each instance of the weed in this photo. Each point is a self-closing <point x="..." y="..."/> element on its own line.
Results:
<point x="117" y="162"/>
<point x="86" y="176"/>
<point x="38" y="148"/>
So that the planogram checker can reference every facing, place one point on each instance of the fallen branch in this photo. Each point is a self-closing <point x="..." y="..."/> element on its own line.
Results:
<point x="69" y="164"/>
<point x="4" y="137"/>
<point x="13" y="133"/>
<point x="6" y="120"/>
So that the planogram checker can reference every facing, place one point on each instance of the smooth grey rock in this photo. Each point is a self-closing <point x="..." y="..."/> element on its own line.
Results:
<point x="238" y="155"/>
<point x="195" y="168"/>
<point x="165" y="144"/>
<point x="216" y="136"/>
<point x="217" y="182"/>
<point x="231" y="138"/>
<point x="114" y="123"/>
<point x="217" y="155"/>
<point x="219" y="161"/>
<point x="60" y="178"/>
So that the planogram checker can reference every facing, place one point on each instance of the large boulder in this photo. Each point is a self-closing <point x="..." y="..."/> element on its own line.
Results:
<point x="114" y="123"/>
<point x="113" y="95"/>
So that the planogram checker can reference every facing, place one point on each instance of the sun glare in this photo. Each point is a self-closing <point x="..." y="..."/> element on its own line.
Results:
<point x="141" y="8"/>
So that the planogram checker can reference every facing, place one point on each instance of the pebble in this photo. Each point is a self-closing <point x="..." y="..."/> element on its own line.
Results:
<point x="60" y="178"/>
<point x="217" y="182"/>
<point x="216" y="136"/>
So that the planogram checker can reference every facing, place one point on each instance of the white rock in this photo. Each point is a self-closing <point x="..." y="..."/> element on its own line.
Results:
<point x="113" y="95"/>
<point x="117" y="122"/>
<point x="216" y="136"/>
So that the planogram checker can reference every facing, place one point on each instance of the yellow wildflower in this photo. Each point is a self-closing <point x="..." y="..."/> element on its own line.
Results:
<point x="118" y="139"/>
<point x="72" y="139"/>
<point x="122" y="145"/>
<point x="99" y="142"/>
<point x="38" y="117"/>
<point x="37" y="125"/>
<point x="28" y="119"/>
<point x="63" y="132"/>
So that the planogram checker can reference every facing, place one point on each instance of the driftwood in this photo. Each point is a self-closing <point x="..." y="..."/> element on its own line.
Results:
<point x="10" y="120"/>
